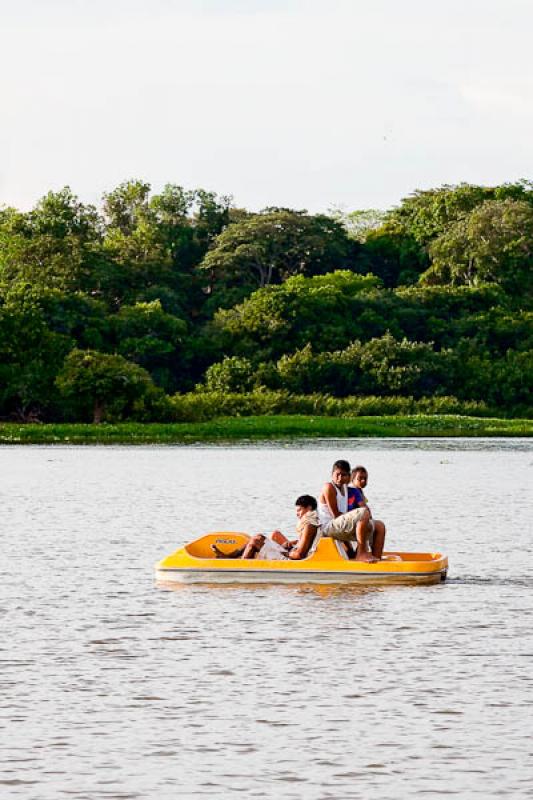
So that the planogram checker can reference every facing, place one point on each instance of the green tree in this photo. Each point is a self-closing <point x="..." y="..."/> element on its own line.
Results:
<point x="437" y="313"/>
<point x="426" y="214"/>
<point x="188" y="222"/>
<point x="61" y="214"/>
<point x="402" y="367"/>
<point x="150" y="337"/>
<point x="399" y="250"/>
<point x="502" y="381"/>
<point x="76" y="315"/>
<point x="138" y="259"/>
<point x="211" y="215"/>
<point x="308" y="372"/>
<point x="276" y="244"/>
<point x="493" y="243"/>
<point x="30" y="357"/>
<point x="359" y="224"/>
<point x="393" y="255"/>
<point x="106" y="385"/>
<point x="53" y="246"/>
<point x="232" y="374"/>
<point x="154" y="244"/>
<point x="280" y="319"/>
<point x="382" y="366"/>
<point x="127" y="206"/>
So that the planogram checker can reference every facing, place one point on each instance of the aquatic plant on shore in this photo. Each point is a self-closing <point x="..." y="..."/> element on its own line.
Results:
<point x="266" y="428"/>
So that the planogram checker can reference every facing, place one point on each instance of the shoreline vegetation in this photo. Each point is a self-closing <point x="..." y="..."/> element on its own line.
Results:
<point x="265" y="428"/>
<point x="180" y="309"/>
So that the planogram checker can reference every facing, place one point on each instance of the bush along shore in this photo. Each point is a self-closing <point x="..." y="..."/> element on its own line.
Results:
<point x="265" y="428"/>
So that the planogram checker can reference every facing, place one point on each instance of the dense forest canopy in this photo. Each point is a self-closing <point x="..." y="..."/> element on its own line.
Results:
<point x="115" y="313"/>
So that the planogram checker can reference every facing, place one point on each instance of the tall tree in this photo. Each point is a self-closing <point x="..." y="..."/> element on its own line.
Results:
<point x="493" y="243"/>
<point x="360" y="223"/>
<point x="156" y="243"/>
<point x="108" y="385"/>
<point x="55" y="245"/>
<point x="266" y="248"/>
<point x="126" y="206"/>
<point x="30" y="357"/>
<point x="148" y="336"/>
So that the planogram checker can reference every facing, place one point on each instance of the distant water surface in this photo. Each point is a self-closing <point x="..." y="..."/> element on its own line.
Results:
<point x="114" y="688"/>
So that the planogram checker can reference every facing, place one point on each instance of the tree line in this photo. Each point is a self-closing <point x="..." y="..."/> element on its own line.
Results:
<point x="119" y="312"/>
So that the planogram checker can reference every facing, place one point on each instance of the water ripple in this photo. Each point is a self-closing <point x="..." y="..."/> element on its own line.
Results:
<point x="113" y="688"/>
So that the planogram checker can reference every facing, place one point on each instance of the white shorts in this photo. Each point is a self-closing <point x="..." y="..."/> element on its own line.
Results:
<point x="272" y="551"/>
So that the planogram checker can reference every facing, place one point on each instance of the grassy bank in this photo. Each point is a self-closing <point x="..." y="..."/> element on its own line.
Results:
<point x="263" y="428"/>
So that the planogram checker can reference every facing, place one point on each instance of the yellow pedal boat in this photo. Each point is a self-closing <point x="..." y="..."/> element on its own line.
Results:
<point x="326" y="563"/>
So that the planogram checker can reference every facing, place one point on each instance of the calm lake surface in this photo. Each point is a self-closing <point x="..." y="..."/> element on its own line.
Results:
<point x="114" y="688"/>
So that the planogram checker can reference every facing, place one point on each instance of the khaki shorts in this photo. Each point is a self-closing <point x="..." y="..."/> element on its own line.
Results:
<point x="343" y="527"/>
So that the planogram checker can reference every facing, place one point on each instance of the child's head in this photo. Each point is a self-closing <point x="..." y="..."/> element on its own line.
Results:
<point x="304" y="504"/>
<point x="340" y="474"/>
<point x="359" y="477"/>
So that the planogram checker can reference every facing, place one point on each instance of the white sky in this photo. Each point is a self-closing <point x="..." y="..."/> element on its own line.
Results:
<point x="303" y="103"/>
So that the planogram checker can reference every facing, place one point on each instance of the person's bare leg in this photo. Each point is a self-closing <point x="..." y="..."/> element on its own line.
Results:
<point x="221" y="554"/>
<point x="362" y="532"/>
<point x="279" y="538"/>
<point x="253" y="546"/>
<point x="379" y="538"/>
<point x="351" y="551"/>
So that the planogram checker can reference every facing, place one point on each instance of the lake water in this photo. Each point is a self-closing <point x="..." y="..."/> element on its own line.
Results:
<point x="114" y="688"/>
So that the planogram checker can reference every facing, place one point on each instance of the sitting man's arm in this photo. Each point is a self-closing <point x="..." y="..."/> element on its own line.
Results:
<point x="329" y="497"/>
<point x="304" y="543"/>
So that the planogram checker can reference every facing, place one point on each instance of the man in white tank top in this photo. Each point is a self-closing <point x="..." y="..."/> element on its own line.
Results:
<point x="335" y="519"/>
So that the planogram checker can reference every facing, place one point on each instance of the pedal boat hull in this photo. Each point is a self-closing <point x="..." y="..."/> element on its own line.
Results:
<point x="196" y="563"/>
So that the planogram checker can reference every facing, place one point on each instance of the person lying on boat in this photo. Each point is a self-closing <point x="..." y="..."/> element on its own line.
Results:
<point x="357" y="499"/>
<point x="351" y="527"/>
<point x="277" y="547"/>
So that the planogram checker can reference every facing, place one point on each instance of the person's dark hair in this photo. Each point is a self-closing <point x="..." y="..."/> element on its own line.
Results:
<point x="342" y="465"/>
<point x="306" y="500"/>
<point x="357" y="469"/>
